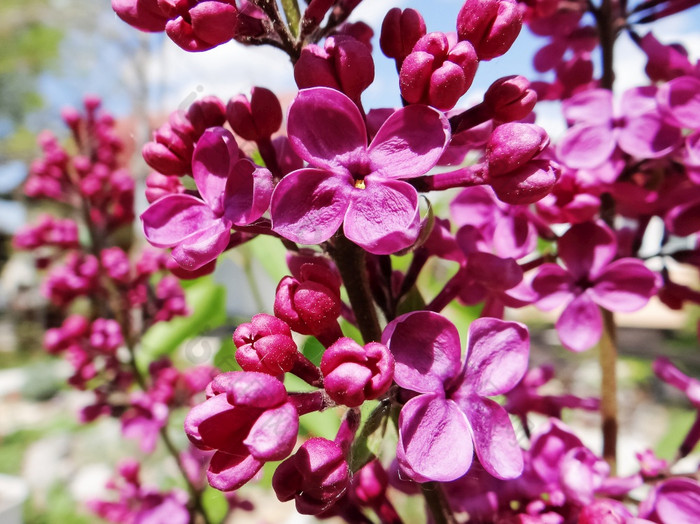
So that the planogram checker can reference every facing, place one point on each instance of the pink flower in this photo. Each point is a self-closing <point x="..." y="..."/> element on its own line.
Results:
<point x="592" y="278"/>
<point x="349" y="183"/>
<point x="452" y="405"/>
<point x="234" y="191"/>
<point x="249" y="420"/>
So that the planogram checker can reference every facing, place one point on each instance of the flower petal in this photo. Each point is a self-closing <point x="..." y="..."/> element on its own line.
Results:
<point x="681" y="98"/>
<point x="593" y="106"/>
<point x="587" y="248"/>
<point x="383" y="218"/>
<point x="625" y="285"/>
<point x="326" y="129"/>
<point x="228" y="472"/>
<point x="553" y="285"/>
<point x="580" y="324"/>
<point x="172" y="218"/>
<point x="203" y="246"/>
<point x="213" y="158"/>
<point x="248" y="192"/>
<point x="274" y="434"/>
<point x="586" y="146"/>
<point x="497" y="355"/>
<point x="308" y="205"/>
<point x="426" y="350"/>
<point x="434" y="441"/>
<point x="648" y="136"/>
<point x="495" y="442"/>
<point x="410" y="142"/>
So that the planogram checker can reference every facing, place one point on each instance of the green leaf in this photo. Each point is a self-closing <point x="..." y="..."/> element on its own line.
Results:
<point x="225" y="358"/>
<point x="206" y="300"/>
<point x="271" y="254"/>
<point x="313" y="350"/>
<point x="215" y="504"/>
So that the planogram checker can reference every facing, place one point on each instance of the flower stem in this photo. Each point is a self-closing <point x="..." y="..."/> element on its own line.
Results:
<point x="437" y="503"/>
<point x="350" y="260"/>
<point x="608" y="393"/>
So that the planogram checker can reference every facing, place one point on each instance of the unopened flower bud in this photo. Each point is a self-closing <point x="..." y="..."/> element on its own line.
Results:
<point x="353" y="374"/>
<point x="343" y="63"/>
<point x="159" y="185"/>
<point x="436" y="75"/>
<point x="400" y="32"/>
<point x="510" y="98"/>
<point x="204" y="113"/>
<point x="311" y="303"/>
<point x="144" y="15"/>
<point x="106" y="335"/>
<point x="204" y="26"/>
<point x="257" y="118"/>
<point x="316" y="476"/>
<point x="265" y="345"/>
<point x="526" y="184"/>
<point x="513" y="144"/>
<point x="490" y="25"/>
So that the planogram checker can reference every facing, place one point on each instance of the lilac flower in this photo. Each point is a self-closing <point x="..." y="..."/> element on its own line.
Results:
<point x="591" y="279"/>
<point x="639" y="130"/>
<point x="351" y="183"/>
<point x="249" y="420"/>
<point x="451" y="406"/>
<point x="234" y="192"/>
<point x="673" y="501"/>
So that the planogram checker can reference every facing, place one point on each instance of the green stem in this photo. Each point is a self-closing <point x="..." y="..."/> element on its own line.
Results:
<point x="437" y="503"/>
<point x="350" y="260"/>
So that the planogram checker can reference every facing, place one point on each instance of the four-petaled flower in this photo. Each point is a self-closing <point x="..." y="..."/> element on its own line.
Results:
<point x="235" y="192"/>
<point x="350" y="183"/>
<point x="451" y="405"/>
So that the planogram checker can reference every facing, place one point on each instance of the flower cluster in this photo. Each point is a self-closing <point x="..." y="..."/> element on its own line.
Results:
<point x="357" y="198"/>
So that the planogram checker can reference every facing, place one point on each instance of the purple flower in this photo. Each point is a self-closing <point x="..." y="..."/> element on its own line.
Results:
<point x="249" y="420"/>
<point x="234" y="192"/>
<point x="437" y="427"/>
<point x="591" y="279"/>
<point x="349" y="183"/>
<point x="673" y="501"/>
<point x="639" y="130"/>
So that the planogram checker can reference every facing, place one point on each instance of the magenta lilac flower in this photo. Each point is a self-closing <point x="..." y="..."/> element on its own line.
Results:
<point x="349" y="183"/>
<point x="592" y="279"/>
<point x="233" y="190"/>
<point x="249" y="420"/>
<point x="452" y="404"/>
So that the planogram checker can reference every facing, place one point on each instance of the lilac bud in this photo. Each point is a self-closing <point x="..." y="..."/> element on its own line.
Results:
<point x="436" y="75"/>
<point x="256" y="119"/>
<point x="106" y="335"/>
<point x="207" y="112"/>
<point x="513" y="144"/>
<point x="526" y="184"/>
<point x="510" y="98"/>
<point x="490" y="25"/>
<point x="204" y="26"/>
<point x="116" y="262"/>
<point x="145" y="15"/>
<point x="316" y="476"/>
<point x="400" y="32"/>
<point x="343" y="63"/>
<point x="353" y="374"/>
<point x="265" y="345"/>
<point x="311" y="303"/>
<point x="159" y="185"/>
<point x="170" y="152"/>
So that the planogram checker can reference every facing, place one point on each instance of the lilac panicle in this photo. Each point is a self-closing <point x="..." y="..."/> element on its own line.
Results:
<point x="592" y="278"/>
<point x="233" y="190"/>
<point x="249" y="420"/>
<point x="349" y="183"/>
<point x="452" y="404"/>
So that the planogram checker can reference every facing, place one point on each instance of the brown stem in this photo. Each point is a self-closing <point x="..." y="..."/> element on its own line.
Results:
<point x="608" y="389"/>
<point x="437" y="503"/>
<point x="350" y="260"/>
